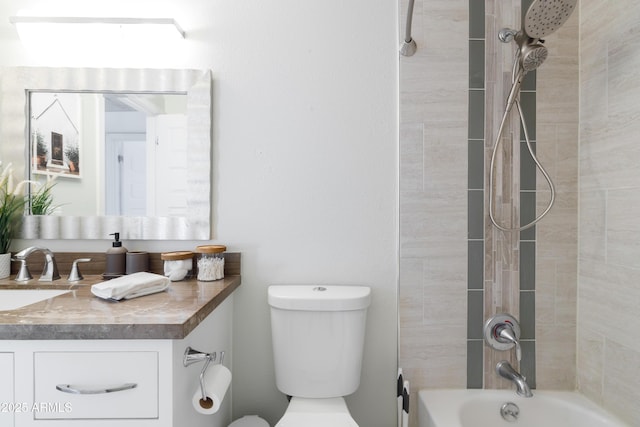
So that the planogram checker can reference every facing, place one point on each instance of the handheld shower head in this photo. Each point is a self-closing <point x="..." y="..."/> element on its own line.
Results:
<point x="531" y="52"/>
<point x="544" y="17"/>
<point x="532" y="55"/>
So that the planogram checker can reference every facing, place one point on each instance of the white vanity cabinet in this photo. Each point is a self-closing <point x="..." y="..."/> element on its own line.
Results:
<point x="109" y="383"/>
<point x="6" y="389"/>
<point x="89" y="384"/>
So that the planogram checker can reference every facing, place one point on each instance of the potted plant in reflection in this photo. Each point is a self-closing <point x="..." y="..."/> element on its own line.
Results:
<point x="73" y="155"/>
<point x="12" y="204"/>
<point x="41" y="150"/>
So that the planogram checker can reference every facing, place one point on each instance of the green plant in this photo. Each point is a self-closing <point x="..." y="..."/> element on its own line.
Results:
<point x="41" y="147"/>
<point x="73" y="154"/>
<point x="42" y="199"/>
<point x="12" y="203"/>
<point x="41" y="150"/>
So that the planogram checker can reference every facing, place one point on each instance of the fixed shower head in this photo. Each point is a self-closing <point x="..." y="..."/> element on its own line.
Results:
<point x="544" y="17"/>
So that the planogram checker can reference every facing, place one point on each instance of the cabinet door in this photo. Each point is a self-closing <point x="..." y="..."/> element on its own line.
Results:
<point x="7" y="402"/>
<point x="97" y="385"/>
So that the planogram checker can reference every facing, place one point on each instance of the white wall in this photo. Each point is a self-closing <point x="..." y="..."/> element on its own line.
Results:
<point x="305" y="149"/>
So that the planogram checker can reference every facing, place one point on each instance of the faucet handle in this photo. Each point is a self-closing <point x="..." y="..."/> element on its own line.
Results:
<point x="502" y="332"/>
<point x="505" y="333"/>
<point x="24" y="275"/>
<point x="75" y="274"/>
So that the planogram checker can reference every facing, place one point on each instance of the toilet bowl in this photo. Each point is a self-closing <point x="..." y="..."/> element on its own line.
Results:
<point x="249" y="421"/>
<point x="318" y="340"/>
<point x="330" y="412"/>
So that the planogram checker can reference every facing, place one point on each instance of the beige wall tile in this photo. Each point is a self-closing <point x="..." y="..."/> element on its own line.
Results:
<point x="609" y="355"/>
<point x="623" y="226"/>
<point x="556" y="357"/>
<point x="557" y="114"/>
<point x="620" y="381"/>
<point x="590" y="364"/>
<point x="411" y="157"/>
<point x="410" y="292"/>
<point x="592" y="225"/>
<point x="433" y="199"/>
<point x="431" y="360"/>
<point x="608" y="301"/>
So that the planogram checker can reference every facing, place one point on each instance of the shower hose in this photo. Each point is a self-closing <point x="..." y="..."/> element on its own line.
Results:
<point x="516" y="79"/>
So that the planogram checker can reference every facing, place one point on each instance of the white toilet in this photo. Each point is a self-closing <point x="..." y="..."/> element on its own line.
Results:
<point x="249" y="421"/>
<point x="318" y="338"/>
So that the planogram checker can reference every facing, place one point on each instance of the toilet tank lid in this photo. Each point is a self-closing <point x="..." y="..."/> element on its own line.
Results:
<point x="319" y="297"/>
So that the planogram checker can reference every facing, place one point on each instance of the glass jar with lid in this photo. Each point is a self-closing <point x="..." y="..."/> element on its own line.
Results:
<point x="178" y="265"/>
<point x="210" y="262"/>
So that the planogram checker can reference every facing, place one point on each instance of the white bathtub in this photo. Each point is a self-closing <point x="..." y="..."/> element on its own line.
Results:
<point x="482" y="408"/>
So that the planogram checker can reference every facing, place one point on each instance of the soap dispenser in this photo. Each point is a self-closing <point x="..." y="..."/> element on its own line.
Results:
<point x="116" y="258"/>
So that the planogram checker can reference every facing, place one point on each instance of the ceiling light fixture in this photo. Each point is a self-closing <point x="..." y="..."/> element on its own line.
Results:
<point x="34" y="28"/>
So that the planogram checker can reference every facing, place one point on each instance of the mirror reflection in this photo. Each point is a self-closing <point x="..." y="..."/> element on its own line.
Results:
<point x="72" y="138"/>
<point x="109" y="153"/>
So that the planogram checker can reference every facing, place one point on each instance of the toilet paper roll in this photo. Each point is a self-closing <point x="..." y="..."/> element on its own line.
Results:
<point x="216" y="382"/>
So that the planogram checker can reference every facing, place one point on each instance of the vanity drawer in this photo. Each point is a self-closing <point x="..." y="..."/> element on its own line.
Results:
<point x="6" y="389"/>
<point x="96" y="385"/>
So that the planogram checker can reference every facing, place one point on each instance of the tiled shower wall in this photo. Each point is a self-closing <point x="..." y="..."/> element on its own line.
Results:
<point x="609" y="291"/>
<point x="438" y="243"/>
<point x="504" y="279"/>
<point x="433" y="197"/>
<point x="557" y="234"/>
<point x="531" y="274"/>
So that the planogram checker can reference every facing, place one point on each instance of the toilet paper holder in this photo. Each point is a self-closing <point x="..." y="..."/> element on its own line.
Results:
<point x="192" y="356"/>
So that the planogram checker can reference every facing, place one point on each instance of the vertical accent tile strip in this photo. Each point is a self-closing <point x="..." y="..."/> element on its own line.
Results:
<point x="475" y="265"/>
<point x="476" y="214"/>
<point x="476" y="179"/>
<point x="527" y="266"/>
<point x="527" y="315"/>
<point x="474" y="363"/>
<point x="476" y="113"/>
<point x="476" y="64"/>
<point x="528" y="237"/>
<point x="528" y="363"/>
<point x="476" y="19"/>
<point x="476" y="165"/>
<point x="509" y="273"/>
<point x="475" y="304"/>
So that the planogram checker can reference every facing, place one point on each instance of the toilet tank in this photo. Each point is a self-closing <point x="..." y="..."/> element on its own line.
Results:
<point x="318" y="338"/>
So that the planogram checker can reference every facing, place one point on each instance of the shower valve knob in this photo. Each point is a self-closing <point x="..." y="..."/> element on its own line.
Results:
<point x="502" y="332"/>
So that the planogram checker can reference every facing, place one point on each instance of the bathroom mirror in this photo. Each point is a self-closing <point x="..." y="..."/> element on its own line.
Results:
<point x="61" y="112"/>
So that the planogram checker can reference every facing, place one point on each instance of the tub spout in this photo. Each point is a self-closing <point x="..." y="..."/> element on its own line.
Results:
<point x="505" y="370"/>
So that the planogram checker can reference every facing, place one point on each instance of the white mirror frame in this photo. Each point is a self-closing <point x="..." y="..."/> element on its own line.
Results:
<point x="14" y="147"/>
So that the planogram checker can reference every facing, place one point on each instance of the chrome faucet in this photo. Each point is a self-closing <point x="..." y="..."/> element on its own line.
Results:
<point x="505" y="370"/>
<point x="50" y="270"/>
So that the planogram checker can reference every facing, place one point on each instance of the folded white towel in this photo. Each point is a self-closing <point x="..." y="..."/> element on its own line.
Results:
<point x="131" y="286"/>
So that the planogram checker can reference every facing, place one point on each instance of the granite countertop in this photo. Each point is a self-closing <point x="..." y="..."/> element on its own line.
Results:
<point x="78" y="314"/>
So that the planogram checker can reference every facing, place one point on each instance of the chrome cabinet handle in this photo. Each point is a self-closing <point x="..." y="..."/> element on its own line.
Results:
<point x="67" y="388"/>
